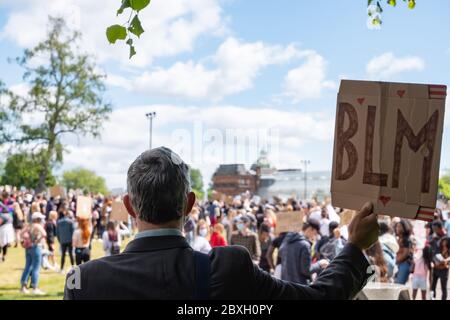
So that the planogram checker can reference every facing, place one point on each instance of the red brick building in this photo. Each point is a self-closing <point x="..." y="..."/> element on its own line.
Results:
<point x="234" y="179"/>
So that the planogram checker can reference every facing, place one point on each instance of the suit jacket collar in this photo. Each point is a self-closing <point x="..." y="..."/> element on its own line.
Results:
<point x="156" y="243"/>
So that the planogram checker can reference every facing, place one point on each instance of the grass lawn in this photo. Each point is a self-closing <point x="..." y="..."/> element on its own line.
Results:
<point x="51" y="282"/>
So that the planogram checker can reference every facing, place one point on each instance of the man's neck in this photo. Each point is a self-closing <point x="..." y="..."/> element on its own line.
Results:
<point x="146" y="226"/>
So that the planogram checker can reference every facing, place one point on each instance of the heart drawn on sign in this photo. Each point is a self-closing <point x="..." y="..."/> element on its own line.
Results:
<point x="361" y="100"/>
<point x="384" y="199"/>
<point x="401" y="93"/>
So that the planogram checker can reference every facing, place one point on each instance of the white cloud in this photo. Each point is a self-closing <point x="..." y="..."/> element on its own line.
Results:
<point x="308" y="80"/>
<point x="125" y="136"/>
<point x="236" y="65"/>
<point x="172" y="26"/>
<point x="387" y="66"/>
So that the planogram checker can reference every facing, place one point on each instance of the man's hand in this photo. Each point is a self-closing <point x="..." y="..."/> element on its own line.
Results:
<point x="363" y="230"/>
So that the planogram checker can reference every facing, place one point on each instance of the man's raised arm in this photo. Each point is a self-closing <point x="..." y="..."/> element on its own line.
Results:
<point x="342" y="279"/>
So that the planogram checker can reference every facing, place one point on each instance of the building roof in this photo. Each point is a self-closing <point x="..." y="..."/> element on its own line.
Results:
<point x="231" y="169"/>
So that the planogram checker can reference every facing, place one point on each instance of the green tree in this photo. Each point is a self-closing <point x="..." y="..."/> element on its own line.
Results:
<point x="197" y="182"/>
<point x="444" y="186"/>
<point x="65" y="89"/>
<point x="86" y="180"/>
<point x="23" y="169"/>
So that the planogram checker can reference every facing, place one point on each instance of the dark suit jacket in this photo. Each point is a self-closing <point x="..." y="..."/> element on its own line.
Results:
<point x="163" y="268"/>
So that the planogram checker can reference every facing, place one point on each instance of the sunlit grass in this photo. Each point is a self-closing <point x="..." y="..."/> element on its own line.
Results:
<point x="51" y="282"/>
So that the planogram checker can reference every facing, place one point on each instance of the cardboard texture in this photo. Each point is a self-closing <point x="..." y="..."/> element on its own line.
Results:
<point x="118" y="211"/>
<point x="56" y="191"/>
<point x="84" y="207"/>
<point x="387" y="147"/>
<point x="289" y="221"/>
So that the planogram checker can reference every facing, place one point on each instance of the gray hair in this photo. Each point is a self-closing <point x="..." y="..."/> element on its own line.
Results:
<point x="158" y="183"/>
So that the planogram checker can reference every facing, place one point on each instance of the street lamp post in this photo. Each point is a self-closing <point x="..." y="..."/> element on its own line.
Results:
<point x="151" y="116"/>
<point x="305" y="163"/>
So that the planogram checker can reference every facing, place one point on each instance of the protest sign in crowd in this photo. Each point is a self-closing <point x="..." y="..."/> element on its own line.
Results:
<point x="292" y="240"/>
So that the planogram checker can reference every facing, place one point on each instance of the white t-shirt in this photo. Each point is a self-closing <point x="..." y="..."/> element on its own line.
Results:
<point x="324" y="227"/>
<point x="201" y="244"/>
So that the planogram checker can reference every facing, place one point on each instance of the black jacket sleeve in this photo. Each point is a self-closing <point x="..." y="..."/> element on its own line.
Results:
<point x="342" y="279"/>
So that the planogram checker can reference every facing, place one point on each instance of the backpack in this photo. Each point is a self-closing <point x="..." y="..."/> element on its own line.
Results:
<point x="26" y="241"/>
<point x="115" y="249"/>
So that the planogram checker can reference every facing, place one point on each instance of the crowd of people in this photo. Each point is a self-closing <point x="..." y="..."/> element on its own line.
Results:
<point x="417" y="256"/>
<point x="38" y="223"/>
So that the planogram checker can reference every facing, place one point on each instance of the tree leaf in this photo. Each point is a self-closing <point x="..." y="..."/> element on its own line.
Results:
<point x="392" y="3"/>
<point x="136" y="26"/>
<point x="125" y="4"/>
<point x="116" y="32"/>
<point x="411" y="4"/>
<point x="132" y="51"/>
<point x="138" y="5"/>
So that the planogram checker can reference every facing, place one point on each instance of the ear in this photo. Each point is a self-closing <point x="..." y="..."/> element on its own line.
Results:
<point x="127" y="203"/>
<point x="190" y="202"/>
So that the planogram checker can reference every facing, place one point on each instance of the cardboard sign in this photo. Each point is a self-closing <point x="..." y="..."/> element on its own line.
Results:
<point x="289" y="221"/>
<point x="84" y="207"/>
<point x="387" y="147"/>
<point x="56" y="191"/>
<point x="118" y="212"/>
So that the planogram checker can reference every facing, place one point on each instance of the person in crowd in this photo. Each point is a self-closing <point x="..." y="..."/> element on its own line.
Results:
<point x="389" y="246"/>
<point x="330" y="246"/>
<point x="18" y="222"/>
<point x="296" y="255"/>
<point x="436" y="234"/>
<point x="212" y="212"/>
<point x="422" y="265"/>
<point x="447" y="226"/>
<point x="324" y="223"/>
<point x="191" y="225"/>
<point x="6" y="233"/>
<point x="64" y="233"/>
<point x="111" y="239"/>
<point x="265" y="241"/>
<point x="275" y="267"/>
<point x="246" y="238"/>
<point x="228" y="223"/>
<point x="201" y="242"/>
<point x="376" y="259"/>
<point x="218" y="238"/>
<point x="50" y="229"/>
<point x="179" y="272"/>
<point x="270" y="218"/>
<point x="404" y="257"/>
<point x="440" y="270"/>
<point x="33" y="238"/>
<point x="81" y="241"/>
<point x="50" y="206"/>
<point x="95" y="222"/>
<point x="315" y="211"/>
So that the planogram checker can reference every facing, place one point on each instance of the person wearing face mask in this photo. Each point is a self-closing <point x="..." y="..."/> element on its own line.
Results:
<point x="201" y="241"/>
<point x="295" y="252"/>
<point x="246" y="238"/>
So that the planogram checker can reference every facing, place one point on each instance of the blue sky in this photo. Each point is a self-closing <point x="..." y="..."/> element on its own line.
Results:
<point x="234" y="64"/>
